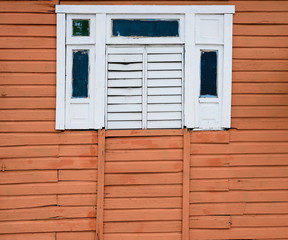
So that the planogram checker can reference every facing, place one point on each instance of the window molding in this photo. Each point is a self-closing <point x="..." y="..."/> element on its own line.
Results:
<point x="188" y="16"/>
<point x="142" y="9"/>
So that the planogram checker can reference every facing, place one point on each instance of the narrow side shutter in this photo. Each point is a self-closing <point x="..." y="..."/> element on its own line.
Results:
<point x="144" y="87"/>
<point x="79" y="107"/>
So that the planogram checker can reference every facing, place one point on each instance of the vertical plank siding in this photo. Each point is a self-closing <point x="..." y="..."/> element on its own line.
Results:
<point x="237" y="180"/>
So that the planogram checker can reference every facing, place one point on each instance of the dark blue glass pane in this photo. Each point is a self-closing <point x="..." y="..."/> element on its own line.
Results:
<point x="208" y="74"/>
<point x="81" y="27"/>
<point x="145" y="28"/>
<point x="80" y="73"/>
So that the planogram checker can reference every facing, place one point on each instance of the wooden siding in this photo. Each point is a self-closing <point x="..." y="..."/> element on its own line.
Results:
<point x="238" y="181"/>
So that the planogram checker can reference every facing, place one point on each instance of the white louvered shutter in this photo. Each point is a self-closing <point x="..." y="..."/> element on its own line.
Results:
<point x="144" y="87"/>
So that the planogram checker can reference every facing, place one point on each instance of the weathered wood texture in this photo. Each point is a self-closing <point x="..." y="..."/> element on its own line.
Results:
<point x="48" y="178"/>
<point x="238" y="178"/>
<point x="143" y="187"/>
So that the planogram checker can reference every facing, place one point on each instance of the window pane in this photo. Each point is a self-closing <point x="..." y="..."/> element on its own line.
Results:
<point x="81" y="27"/>
<point x="208" y="74"/>
<point x="80" y="73"/>
<point x="145" y="28"/>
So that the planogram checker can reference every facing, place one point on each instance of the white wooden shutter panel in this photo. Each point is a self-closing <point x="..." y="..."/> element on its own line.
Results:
<point x="124" y="88"/>
<point x="144" y="87"/>
<point x="164" y="87"/>
<point x="79" y="111"/>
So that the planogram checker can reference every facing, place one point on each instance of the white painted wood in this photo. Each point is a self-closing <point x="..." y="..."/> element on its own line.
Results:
<point x="165" y="91"/>
<point x="164" y="58"/>
<point x="124" y="116"/>
<point x="146" y="95"/>
<point x="144" y="40"/>
<point x="190" y="68"/>
<point x="60" y="91"/>
<point x="164" y="83"/>
<point x="165" y="115"/>
<point x="125" y="91"/>
<point x="124" y="100"/>
<point x="209" y="100"/>
<point x="156" y="78"/>
<point x="79" y="111"/>
<point x="124" y="108"/>
<point x="144" y="90"/>
<point x="124" y="103"/>
<point x="125" y="58"/>
<point x="209" y="29"/>
<point x="124" y="125"/>
<point x="124" y="75"/>
<point x="165" y="66"/>
<point x="70" y="39"/>
<point x="165" y="124"/>
<point x="165" y="94"/>
<point x="166" y="107"/>
<point x="227" y="74"/>
<point x="209" y="109"/>
<point x="140" y="9"/>
<point x="209" y="116"/>
<point x="165" y="74"/>
<point x="165" y="49"/>
<point x="125" y="83"/>
<point x="126" y="51"/>
<point x="125" y="67"/>
<point x="100" y="66"/>
<point x="165" y="99"/>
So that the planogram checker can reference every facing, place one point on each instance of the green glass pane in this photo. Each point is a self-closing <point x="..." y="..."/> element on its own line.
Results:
<point x="81" y="27"/>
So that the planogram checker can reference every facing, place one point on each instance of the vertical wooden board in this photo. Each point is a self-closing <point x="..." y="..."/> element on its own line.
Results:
<point x="100" y="185"/>
<point x="186" y="185"/>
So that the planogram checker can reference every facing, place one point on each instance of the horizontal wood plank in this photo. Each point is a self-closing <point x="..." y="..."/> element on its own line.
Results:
<point x="143" y="202"/>
<point x="142" y="227"/>
<point x="47" y="213"/>
<point x="142" y="215"/>
<point x="9" y="177"/>
<point x="14" y="202"/>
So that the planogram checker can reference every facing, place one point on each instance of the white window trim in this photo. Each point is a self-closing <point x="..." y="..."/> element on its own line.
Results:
<point x="146" y="40"/>
<point x="191" y="94"/>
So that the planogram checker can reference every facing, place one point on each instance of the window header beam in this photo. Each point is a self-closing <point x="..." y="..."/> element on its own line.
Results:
<point x="142" y="9"/>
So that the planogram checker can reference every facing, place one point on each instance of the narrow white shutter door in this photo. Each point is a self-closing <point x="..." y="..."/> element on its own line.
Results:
<point x="164" y="83"/>
<point x="124" y="88"/>
<point x="79" y="107"/>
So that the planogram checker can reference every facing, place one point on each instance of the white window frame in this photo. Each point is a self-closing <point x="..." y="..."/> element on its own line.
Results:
<point x="98" y="15"/>
<point x="146" y="40"/>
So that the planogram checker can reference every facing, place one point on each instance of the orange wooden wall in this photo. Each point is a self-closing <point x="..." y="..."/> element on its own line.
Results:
<point x="235" y="184"/>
